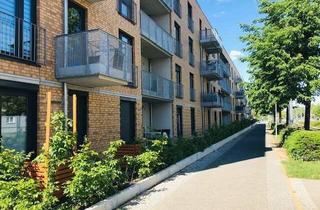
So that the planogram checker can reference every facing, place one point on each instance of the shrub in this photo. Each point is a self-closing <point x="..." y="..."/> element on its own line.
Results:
<point x="96" y="176"/>
<point x="304" y="145"/>
<point x="11" y="164"/>
<point x="285" y="133"/>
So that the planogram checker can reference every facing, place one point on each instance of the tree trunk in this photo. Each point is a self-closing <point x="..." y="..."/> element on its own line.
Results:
<point x="307" y="115"/>
<point x="280" y="115"/>
<point x="288" y="116"/>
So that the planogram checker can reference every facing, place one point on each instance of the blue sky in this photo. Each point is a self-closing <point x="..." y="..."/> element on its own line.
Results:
<point x="226" y="16"/>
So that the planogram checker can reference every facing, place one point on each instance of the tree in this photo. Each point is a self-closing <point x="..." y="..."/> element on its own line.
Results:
<point x="284" y="55"/>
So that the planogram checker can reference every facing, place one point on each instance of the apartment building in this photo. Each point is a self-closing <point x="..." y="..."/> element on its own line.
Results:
<point x="137" y="67"/>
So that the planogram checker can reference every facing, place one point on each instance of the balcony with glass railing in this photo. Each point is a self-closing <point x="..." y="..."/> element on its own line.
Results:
<point x="211" y="70"/>
<point x="22" y="40"/>
<point x="225" y="87"/>
<point x="93" y="59"/>
<point x="239" y="94"/>
<point x="157" y="7"/>
<point x="157" y="87"/>
<point x="179" y="90"/>
<point x="211" y="100"/>
<point x="210" y="40"/>
<point x="160" y="39"/>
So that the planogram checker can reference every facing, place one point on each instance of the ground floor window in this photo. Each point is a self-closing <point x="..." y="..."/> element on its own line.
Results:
<point x="193" y="121"/>
<point x="179" y="121"/>
<point x="18" y="119"/>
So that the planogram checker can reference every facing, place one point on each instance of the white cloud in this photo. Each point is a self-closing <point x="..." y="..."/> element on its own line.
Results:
<point x="235" y="55"/>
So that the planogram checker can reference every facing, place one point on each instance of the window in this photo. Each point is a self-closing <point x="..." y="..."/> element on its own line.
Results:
<point x="177" y="7"/>
<point x="11" y="120"/>
<point x="193" y="121"/>
<point x="190" y="21"/>
<point x="129" y="40"/>
<point x="76" y="18"/>
<point x="179" y="121"/>
<point x="191" y="81"/>
<point x="215" y="117"/>
<point x="126" y="9"/>
<point x="192" y="90"/>
<point x="177" y="31"/>
<point x="18" y="29"/>
<point x="191" y="55"/>
<point x="178" y="74"/>
<point x="200" y="24"/>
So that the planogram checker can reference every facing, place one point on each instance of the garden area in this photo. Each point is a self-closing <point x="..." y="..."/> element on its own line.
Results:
<point x="303" y="150"/>
<point x="64" y="177"/>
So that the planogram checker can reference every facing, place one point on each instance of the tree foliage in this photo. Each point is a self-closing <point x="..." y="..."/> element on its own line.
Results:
<point x="283" y="53"/>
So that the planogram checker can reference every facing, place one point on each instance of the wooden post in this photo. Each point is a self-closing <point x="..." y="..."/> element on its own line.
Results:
<point x="74" y="113"/>
<point x="47" y="124"/>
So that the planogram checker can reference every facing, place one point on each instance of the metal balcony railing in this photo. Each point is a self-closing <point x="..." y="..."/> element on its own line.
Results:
<point x="151" y="30"/>
<point x="178" y="49"/>
<point x="190" y="24"/>
<point x="191" y="58"/>
<point x="156" y="86"/>
<point x="225" y="87"/>
<point x="192" y="94"/>
<point x="179" y="90"/>
<point x="211" y="100"/>
<point x="22" y="39"/>
<point x="211" y="69"/>
<point x="210" y="35"/>
<point x="93" y="53"/>
<point x="177" y="7"/>
<point x="128" y="13"/>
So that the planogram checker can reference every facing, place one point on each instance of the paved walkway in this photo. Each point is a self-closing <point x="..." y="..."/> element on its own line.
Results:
<point x="247" y="176"/>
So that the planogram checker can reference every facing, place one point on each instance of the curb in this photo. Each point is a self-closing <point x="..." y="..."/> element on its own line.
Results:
<point x="127" y="194"/>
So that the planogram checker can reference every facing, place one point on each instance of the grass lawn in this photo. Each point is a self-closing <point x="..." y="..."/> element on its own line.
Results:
<point x="300" y="169"/>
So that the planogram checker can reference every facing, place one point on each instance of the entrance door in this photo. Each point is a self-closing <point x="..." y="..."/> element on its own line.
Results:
<point x="82" y="114"/>
<point x="179" y="122"/>
<point x="127" y="121"/>
<point x="18" y="119"/>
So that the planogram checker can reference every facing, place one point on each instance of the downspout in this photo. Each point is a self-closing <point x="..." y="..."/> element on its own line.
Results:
<point x="65" y="87"/>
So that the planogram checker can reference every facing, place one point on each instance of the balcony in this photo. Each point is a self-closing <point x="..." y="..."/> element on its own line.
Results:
<point x="240" y="109"/>
<point x="192" y="94"/>
<point x="211" y="100"/>
<point x="177" y="7"/>
<point x="94" y="1"/>
<point x="191" y="59"/>
<point x="239" y="94"/>
<point x="156" y="87"/>
<point x="178" y="49"/>
<point x="225" y="87"/>
<point x="22" y="40"/>
<point x="179" y="90"/>
<point x="190" y="24"/>
<point x="93" y="59"/>
<point x="158" y="43"/>
<point x="210" y="40"/>
<point x="211" y="70"/>
<point x="156" y="7"/>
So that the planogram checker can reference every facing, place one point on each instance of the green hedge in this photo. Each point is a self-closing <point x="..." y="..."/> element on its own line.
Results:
<point x="285" y="133"/>
<point x="304" y="145"/>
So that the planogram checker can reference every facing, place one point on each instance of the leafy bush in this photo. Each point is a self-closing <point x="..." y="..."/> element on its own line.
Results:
<point x="11" y="164"/>
<point x="96" y="176"/>
<point x="304" y="145"/>
<point x="285" y="133"/>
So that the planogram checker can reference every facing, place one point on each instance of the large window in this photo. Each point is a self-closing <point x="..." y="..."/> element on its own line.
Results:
<point x="18" y="112"/>
<point x="129" y="40"/>
<point x="179" y="121"/>
<point x="17" y="29"/>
